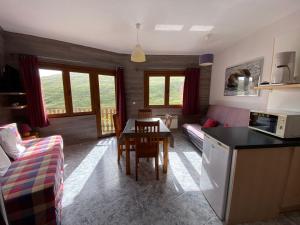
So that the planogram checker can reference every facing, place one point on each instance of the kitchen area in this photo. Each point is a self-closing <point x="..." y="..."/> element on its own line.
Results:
<point x="252" y="173"/>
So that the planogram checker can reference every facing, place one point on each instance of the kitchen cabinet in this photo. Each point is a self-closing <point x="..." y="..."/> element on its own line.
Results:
<point x="249" y="176"/>
<point x="215" y="174"/>
<point x="291" y="198"/>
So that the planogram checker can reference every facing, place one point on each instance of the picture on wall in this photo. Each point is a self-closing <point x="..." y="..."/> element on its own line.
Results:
<point x="241" y="79"/>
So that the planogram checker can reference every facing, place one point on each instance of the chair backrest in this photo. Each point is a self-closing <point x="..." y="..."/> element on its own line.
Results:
<point x="145" y="113"/>
<point x="117" y="124"/>
<point x="148" y="131"/>
<point x="168" y="120"/>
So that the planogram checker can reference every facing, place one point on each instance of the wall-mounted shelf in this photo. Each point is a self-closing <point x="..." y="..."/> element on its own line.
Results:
<point x="276" y="86"/>
<point x="12" y="93"/>
<point x="16" y="107"/>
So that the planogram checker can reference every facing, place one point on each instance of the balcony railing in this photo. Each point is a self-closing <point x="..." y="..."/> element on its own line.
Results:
<point x="107" y="123"/>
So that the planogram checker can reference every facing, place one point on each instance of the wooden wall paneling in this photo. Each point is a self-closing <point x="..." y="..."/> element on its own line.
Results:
<point x="257" y="184"/>
<point x="58" y="52"/>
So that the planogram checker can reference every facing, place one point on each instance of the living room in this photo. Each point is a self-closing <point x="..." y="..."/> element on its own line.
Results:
<point x="76" y="88"/>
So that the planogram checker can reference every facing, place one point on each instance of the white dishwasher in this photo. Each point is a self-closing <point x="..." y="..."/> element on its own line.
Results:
<point x="215" y="172"/>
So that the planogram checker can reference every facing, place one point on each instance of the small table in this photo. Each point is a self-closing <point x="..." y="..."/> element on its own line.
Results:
<point x="164" y="133"/>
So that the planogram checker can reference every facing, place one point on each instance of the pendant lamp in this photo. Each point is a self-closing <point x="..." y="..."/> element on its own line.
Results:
<point x="138" y="54"/>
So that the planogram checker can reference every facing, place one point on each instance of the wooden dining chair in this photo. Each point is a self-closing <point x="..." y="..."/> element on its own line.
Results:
<point x="118" y="132"/>
<point x="144" y="113"/>
<point x="147" y="143"/>
<point x="168" y="120"/>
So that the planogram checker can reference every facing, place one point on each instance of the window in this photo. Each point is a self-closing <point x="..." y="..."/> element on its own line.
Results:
<point x="81" y="93"/>
<point x="157" y="90"/>
<point x="71" y="90"/>
<point x="53" y="91"/>
<point x="163" y="88"/>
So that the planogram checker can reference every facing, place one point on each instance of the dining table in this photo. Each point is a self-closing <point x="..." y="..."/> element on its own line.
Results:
<point x="164" y="134"/>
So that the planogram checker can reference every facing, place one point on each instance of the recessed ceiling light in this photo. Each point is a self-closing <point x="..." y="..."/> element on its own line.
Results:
<point x="201" y="28"/>
<point x="168" y="27"/>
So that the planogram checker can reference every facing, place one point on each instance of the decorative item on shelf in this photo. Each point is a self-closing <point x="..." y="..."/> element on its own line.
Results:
<point x="15" y="104"/>
<point x="206" y="60"/>
<point x="284" y="68"/>
<point x="138" y="54"/>
<point x="241" y="80"/>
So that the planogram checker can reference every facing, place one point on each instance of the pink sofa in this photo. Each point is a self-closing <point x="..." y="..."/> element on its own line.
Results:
<point x="232" y="117"/>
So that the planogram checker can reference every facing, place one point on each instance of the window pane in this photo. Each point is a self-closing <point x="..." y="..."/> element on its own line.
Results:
<point x="108" y="102"/>
<point x="176" y="90"/>
<point x="53" y="91"/>
<point x="157" y="90"/>
<point x="81" y="94"/>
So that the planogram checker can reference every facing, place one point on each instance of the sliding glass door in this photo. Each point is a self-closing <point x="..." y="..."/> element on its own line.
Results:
<point x="77" y="91"/>
<point x="107" y="107"/>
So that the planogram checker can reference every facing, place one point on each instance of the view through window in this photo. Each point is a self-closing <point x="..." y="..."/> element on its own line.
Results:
<point x="81" y="93"/>
<point x="53" y="91"/>
<point x="164" y="89"/>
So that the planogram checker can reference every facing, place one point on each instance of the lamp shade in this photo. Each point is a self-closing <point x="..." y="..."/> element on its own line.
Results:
<point x="138" y="54"/>
<point x="206" y="59"/>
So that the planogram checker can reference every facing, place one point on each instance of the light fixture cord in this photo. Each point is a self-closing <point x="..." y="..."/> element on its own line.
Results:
<point x="138" y="25"/>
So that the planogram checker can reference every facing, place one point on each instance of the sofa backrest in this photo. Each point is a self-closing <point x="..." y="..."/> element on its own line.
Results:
<point x="233" y="117"/>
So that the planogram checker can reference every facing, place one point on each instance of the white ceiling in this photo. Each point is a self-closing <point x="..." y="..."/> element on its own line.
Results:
<point x="110" y="24"/>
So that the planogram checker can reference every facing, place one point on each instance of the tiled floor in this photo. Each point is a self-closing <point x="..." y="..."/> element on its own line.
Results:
<point x="97" y="191"/>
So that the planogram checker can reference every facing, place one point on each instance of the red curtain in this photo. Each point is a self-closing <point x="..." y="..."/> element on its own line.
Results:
<point x="32" y="84"/>
<point x="191" y="91"/>
<point x="121" y="100"/>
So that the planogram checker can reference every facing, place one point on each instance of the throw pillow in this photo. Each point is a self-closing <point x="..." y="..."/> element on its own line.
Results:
<point x="4" y="162"/>
<point x="14" y="128"/>
<point x="11" y="144"/>
<point x="210" y="123"/>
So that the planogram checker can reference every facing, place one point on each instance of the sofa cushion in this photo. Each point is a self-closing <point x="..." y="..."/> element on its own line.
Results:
<point x="11" y="144"/>
<point x="233" y="117"/>
<point x="14" y="128"/>
<point x="32" y="187"/>
<point x="210" y="123"/>
<point x="194" y="129"/>
<point x="4" y="162"/>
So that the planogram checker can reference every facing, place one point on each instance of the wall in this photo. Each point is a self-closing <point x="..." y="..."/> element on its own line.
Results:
<point x="62" y="52"/>
<point x="67" y="53"/>
<point x="259" y="44"/>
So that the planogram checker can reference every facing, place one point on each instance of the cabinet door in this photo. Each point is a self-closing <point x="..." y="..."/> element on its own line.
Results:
<point x="291" y="197"/>
<point x="214" y="174"/>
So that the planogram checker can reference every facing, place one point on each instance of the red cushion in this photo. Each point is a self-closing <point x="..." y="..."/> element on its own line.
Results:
<point x="210" y="123"/>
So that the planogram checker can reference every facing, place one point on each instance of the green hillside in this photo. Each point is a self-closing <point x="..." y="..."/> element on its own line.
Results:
<point x="52" y="87"/>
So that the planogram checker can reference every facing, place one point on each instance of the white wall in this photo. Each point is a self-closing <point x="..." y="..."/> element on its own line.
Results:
<point x="259" y="44"/>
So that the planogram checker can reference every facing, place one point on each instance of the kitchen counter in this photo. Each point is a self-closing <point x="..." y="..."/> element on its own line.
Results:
<point x="246" y="138"/>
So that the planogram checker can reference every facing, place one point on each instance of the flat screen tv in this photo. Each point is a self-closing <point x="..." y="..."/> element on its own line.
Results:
<point x="10" y="80"/>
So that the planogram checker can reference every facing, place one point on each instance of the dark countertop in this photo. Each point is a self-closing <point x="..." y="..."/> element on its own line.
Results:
<point x="245" y="138"/>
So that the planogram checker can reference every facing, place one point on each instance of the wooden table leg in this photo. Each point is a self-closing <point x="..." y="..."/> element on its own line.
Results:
<point x="127" y="146"/>
<point x="166" y="155"/>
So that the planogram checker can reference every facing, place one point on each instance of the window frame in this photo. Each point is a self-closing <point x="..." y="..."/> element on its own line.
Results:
<point x="93" y="79"/>
<point x="167" y="75"/>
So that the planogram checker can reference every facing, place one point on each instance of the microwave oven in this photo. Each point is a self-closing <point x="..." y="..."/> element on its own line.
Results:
<point x="280" y="124"/>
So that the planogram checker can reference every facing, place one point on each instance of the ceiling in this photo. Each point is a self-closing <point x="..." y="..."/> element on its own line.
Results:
<point x="110" y="24"/>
